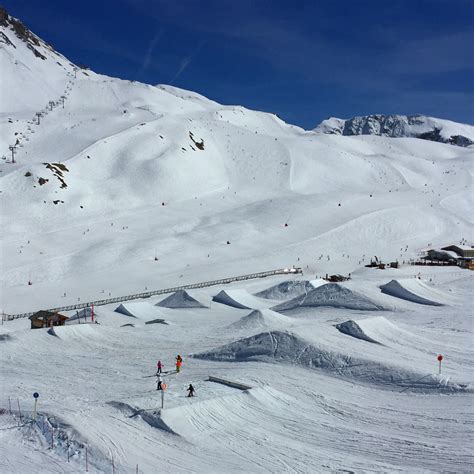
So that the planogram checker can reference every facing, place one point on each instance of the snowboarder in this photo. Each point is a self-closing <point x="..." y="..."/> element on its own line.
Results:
<point x="159" y="365"/>
<point x="190" y="391"/>
<point x="159" y="382"/>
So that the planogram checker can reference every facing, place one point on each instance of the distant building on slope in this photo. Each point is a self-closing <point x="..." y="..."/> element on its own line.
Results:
<point x="461" y="250"/>
<point x="465" y="255"/>
<point x="45" y="319"/>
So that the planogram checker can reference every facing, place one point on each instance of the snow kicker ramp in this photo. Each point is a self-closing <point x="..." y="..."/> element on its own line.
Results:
<point x="77" y="332"/>
<point x="351" y="328"/>
<point x="330" y="295"/>
<point x="143" y="311"/>
<point x="260" y="319"/>
<point x="412" y="290"/>
<point x="289" y="289"/>
<point x="241" y="299"/>
<point x="288" y="348"/>
<point x="180" y="299"/>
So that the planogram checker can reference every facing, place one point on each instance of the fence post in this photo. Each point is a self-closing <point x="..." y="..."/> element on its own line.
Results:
<point x="87" y="462"/>
<point x="19" y="409"/>
<point x="9" y="405"/>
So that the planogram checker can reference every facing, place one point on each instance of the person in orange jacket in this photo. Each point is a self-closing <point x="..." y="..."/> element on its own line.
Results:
<point x="179" y="362"/>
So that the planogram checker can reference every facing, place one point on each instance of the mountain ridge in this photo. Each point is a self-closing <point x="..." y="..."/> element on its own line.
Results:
<point x="397" y="126"/>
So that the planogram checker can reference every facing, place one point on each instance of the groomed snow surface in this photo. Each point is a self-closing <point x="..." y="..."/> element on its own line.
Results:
<point x="332" y="388"/>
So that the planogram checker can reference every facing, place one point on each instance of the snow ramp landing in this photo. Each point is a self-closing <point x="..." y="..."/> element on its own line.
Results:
<point x="331" y="295"/>
<point x="143" y="311"/>
<point x="260" y="319"/>
<point x="288" y="348"/>
<point x="412" y="290"/>
<point x="241" y="299"/>
<point x="288" y="289"/>
<point x="77" y="332"/>
<point x="180" y="299"/>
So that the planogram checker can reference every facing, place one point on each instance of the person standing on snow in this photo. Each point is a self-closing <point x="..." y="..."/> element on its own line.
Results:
<point x="159" y="382"/>
<point x="190" y="391"/>
<point x="179" y="362"/>
<point x="159" y="365"/>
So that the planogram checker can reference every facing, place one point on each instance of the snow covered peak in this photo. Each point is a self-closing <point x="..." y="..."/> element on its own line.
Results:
<point x="32" y="71"/>
<point x="395" y="126"/>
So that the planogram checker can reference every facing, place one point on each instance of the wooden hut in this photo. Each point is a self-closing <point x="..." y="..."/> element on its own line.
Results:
<point x="45" y="319"/>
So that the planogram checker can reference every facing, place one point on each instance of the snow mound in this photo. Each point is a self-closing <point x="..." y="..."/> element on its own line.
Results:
<point x="330" y="295"/>
<point x="180" y="299"/>
<point x="143" y="311"/>
<point x="412" y="290"/>
<point x="259" y="319"/>
<point x="288" y="348"/>
<point x="77" y="332"/>
<point x="351" y="328"/>
<point x="288" y="289"/>
<point x="241" y="299"/>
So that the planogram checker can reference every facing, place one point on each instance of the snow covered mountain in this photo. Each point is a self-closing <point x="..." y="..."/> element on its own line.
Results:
<point x="112" y="187"/>
<point x="395" y="126"/>
<point x="110" y="173"/>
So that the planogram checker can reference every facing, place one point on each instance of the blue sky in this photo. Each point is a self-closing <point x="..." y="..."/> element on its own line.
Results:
<point x="304" y="60"/>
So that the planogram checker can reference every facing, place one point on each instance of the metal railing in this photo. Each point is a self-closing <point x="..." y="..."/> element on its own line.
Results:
<point x="147" y="294"/>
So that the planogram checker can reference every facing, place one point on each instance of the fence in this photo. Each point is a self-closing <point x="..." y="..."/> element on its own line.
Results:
<point x="147" y="294"/>
<point x="67" y="444"/>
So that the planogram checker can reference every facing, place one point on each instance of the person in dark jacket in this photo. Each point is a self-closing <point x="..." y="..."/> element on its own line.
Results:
<point x="190" y="391"/>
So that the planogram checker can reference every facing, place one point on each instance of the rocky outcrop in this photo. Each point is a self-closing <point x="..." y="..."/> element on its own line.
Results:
<point x="396" y="126"/>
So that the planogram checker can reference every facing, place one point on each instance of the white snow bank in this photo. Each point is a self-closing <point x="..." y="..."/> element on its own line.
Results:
<point x="241" y="299"/>
<point x="412" y="290"/>
<point x="331" y="295"/>
<point x="289" y="289"/>
<point x="259" y="319"/>
<point x="180" y="299"/>
<point x="288" y="348"/>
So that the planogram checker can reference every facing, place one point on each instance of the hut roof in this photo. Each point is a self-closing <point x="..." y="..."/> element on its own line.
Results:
<point x="43" y="314"/>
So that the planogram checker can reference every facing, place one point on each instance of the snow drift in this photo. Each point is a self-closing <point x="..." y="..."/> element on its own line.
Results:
<point x="412" y="290"/>
<point x="180" y="299"/>
<point x="288" y="348"/>
<point x="330" y="295"/>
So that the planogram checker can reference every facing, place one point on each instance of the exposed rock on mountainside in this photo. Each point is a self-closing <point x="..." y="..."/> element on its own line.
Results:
<point x="395" y="126"/>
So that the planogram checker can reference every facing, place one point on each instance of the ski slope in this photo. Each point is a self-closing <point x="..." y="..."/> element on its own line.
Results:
<point x="124" y="186"/>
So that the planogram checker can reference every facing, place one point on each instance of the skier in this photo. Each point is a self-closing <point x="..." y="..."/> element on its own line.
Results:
<point x="159" y="365"/>
<point x="159" y="382"/>
<point x="190" y="391"/>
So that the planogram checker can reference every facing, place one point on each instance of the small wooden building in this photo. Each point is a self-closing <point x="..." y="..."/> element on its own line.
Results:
<point x="46" y="319"/>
